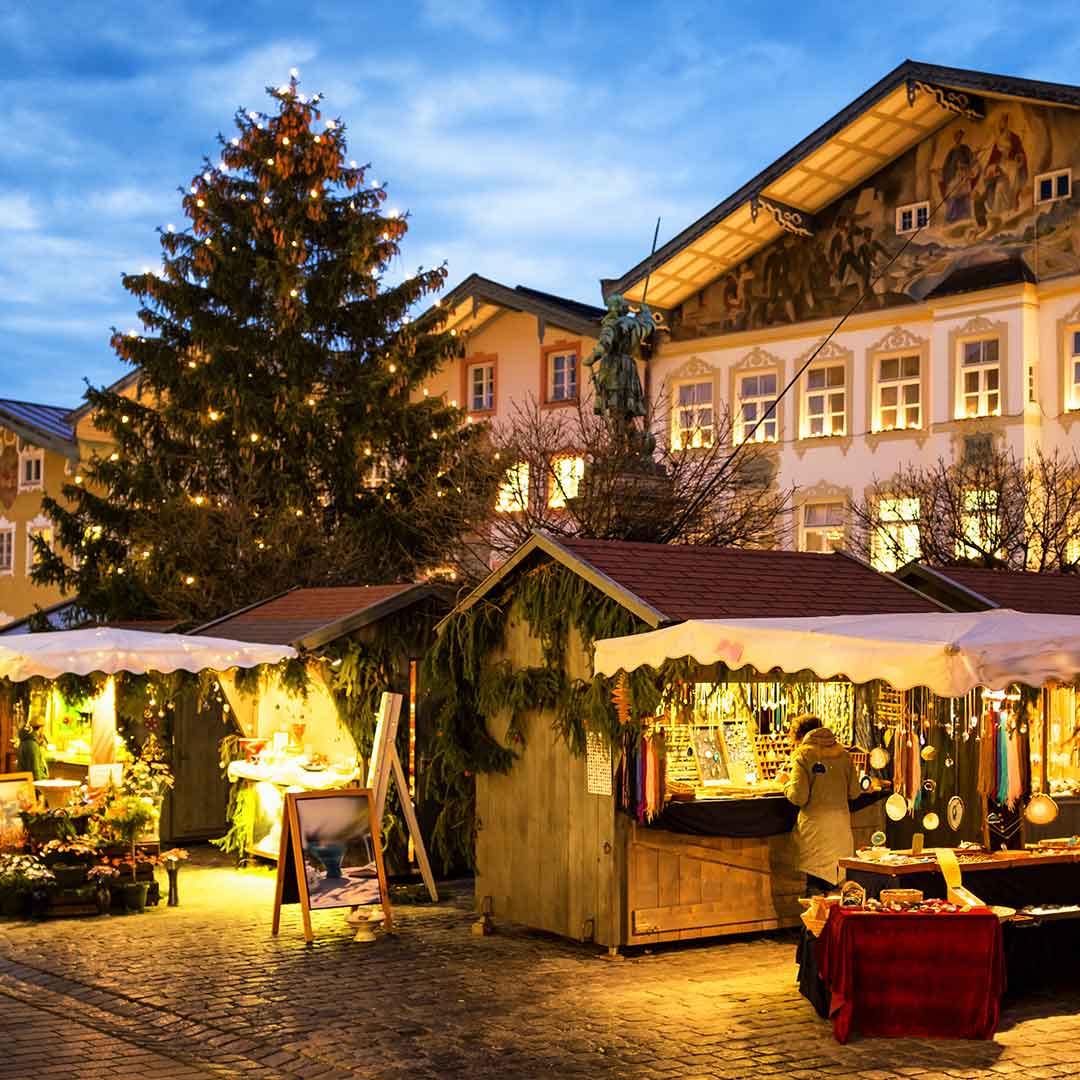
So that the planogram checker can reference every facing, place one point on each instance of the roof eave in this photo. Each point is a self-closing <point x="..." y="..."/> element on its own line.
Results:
<point x="350" y="624"/>
<point x="504" y="296"/>
<point x="33" y="434"/>
<point x="928" y="574"/>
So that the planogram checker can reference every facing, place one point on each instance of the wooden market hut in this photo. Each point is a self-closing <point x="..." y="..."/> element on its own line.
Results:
<point x="553" y="851"/>
<point x="397" y="621"/>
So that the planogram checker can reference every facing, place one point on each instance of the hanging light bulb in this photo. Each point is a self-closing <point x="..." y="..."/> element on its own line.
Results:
<point x="170" y="228"/>
<point x="285" y="140"/>
<point x="189" y="580"/>
<point x="236" y="142"/>
<point x="254" y="437"/>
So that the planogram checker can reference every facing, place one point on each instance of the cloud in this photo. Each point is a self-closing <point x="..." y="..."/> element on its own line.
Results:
<point x="17" y="213"/>
<point x="476" y="17"/>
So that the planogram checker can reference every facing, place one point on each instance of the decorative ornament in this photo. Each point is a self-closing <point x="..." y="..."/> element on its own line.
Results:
<point x="930" y="821"/>
<point x="877" y="838"/>
<point x="1041" y="810"/>
<point x="620" y="697"/>
<point x="879" y="757"/>
<point x="954" y="812"/>
<point x="928" y="753"/>
<point x="896" y="806"/>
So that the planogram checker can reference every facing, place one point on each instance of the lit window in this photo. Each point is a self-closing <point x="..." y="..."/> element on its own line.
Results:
<point x="7" y="548"/>
<point x="481" y="387"/>
<point x="978" y="524"/>
<point x="31" y="468"/>
<point x="899" y="392"/>
<point x="37" y="528"/>
<point x="566" y="474"/>
<point x="514" y="492"/>
<point x="980" y="375"/>
<point x="912" y="217"/>
<point x="895" y="541"/>
<point x="756" y="401"/>
<point x="823" y="527"/>
<point x="562" y="376"/>
<point x="693" y="420"/>
<point x="1074" y="370"/>
<point x="825" y="399"/>
<point x="1051" y="186"/>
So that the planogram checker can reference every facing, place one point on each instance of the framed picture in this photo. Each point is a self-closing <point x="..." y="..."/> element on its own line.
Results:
<point x="16" y="794"/>
<point x="331" y="855"/>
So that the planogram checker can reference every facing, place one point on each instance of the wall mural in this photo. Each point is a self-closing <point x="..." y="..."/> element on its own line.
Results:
<point x="984" y="170"/>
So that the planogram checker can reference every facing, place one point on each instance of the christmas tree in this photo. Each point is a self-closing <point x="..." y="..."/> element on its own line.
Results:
<point x="278" y="437"/>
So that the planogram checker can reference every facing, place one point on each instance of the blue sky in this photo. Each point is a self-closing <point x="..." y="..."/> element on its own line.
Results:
<point x="535" y="143"/>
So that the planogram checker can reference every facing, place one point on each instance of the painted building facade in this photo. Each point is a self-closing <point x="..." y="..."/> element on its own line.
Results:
<point x="947" y="198"/>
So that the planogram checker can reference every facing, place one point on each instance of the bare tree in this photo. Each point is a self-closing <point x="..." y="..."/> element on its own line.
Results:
<point x="986" y="510"/>
<point x="569" y="473"/>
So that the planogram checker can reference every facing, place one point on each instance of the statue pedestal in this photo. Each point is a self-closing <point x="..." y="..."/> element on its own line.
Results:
<point x="634" y="503"/>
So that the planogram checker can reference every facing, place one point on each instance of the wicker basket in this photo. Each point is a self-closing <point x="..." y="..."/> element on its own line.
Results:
<point x="772" y="753"/>
<point x="860" y="758"/>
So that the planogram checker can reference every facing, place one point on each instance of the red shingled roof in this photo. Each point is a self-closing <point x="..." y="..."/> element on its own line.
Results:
<point x="1053" y="594"/>
<point x="289" y="618"/>
<point x="684" y="582"/>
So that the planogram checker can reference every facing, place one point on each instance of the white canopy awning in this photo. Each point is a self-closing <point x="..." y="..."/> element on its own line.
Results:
<point x="79" y="652"/>
<point x="948" y="653"/>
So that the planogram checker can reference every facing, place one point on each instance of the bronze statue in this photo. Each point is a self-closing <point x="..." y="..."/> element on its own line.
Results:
<point x="618" y="394"/>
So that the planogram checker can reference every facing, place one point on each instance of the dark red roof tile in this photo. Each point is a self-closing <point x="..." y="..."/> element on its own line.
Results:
<point x="688" y="582"/>
<point x="1054" y="594"/>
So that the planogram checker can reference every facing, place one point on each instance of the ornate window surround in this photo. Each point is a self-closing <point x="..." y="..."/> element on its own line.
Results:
<point x="38" y="523"/>
<point x="978" y="328"/>
<point x="1067" y="325"/>
<point x="822" y="492"/>
<point x="695" y="370"/>
<point x="757" y="362"/>
<point x="29" y="452"/>
<point x="830" y="355"/>
<point x="898" y="342"/>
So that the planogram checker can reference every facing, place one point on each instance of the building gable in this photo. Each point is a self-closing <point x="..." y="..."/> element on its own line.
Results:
<point x="974" y="179"/>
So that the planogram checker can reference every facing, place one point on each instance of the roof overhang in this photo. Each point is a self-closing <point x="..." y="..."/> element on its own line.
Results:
<point x="33" y="434"/>
<point x="918" y="576"/>
<point x="350" y="624"/>
<point x="477" y="300"/>
<point x="546" y="545"/>
<point x="909" y="104"/>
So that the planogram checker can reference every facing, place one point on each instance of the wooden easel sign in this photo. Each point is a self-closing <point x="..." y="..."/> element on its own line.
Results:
<point x="331" y="855"/>
<point x="386" y="763"/>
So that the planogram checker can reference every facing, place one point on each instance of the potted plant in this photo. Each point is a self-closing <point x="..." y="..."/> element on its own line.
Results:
<point x="102" y="877"/>
<point x="25" y="881"/>
<point x="128" y="816"/>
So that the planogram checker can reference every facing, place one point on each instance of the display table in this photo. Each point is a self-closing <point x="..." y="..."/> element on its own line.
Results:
<point x="910" y="974"/>
<point x="268" y="785"/>
<point x="1007" y="878"/>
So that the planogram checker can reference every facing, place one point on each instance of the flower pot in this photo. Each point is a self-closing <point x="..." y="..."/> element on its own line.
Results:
<point x="68" y="875"/>
<point x="135" y="895"/>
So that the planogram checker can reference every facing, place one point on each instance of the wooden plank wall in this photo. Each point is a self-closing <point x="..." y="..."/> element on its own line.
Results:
<point x="546" y="848"/>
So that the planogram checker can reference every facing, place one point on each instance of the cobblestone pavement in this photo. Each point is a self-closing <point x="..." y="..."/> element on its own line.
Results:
<point x="203" y="990"/>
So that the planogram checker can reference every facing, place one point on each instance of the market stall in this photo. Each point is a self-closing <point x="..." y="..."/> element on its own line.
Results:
<point x="991" y="695"/>
<point x="82" y="840"/>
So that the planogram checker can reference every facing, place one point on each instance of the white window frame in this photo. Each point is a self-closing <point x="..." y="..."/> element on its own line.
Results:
<point x="35" y="455"/>
<point x="1053" y="176"/>
<point x="488" y="387"/>
<point x="763" y="405"/>
<point x="900" y="518"/>
<point x="701" y="434"/>
<point x="568" y="394"/>
<point x="8" y="530"/>
<point x="1072" y="358"/>
<point x="513" y="496"/>
<point x="982" y="369"/>
<point x="828" y="413"/>
<point x="915" y="224"/>
<point x="832" y="534"/>
<point x="38" y="525"/>
<point x="567" y="471"/>
<point x="900" y="382"/>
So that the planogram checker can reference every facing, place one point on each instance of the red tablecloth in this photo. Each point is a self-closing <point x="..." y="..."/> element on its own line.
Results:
<point x="913" y="974"/>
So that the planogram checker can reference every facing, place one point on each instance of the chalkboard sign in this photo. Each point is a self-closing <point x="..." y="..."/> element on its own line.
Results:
<point x="330" y="854"/>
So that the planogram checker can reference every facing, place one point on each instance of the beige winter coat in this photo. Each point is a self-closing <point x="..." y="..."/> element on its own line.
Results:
<point x="821" y="780"/>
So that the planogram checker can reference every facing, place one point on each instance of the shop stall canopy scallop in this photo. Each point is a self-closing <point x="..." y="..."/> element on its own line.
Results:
<point x="949" y="654"/>
<point x="80" y="652"/>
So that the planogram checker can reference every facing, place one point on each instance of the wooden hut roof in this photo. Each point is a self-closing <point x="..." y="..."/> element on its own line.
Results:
<point x="669" y="583"/>
<point x="309" y="618"/>
<point x="976" y="588"/>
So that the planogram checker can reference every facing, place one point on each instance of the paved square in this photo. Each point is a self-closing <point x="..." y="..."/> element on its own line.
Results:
<point x="204" y="990"/>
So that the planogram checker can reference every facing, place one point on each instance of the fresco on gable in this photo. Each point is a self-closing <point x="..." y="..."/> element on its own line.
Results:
<point x="978" y="177"/>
